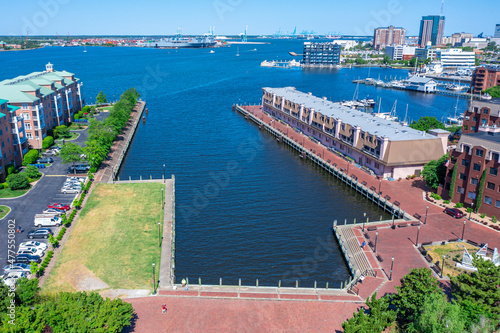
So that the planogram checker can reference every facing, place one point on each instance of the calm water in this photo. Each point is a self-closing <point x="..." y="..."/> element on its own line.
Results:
<point x="247" y="207"/>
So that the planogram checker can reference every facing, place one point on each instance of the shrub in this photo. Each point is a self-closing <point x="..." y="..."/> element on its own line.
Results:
<point x="10" y="169"/>
<point x="446" y="201"/>
<point x="47" y="142"/>
<point x="32" y="172"/>
<point x="469" y="210"/>
<point x="459" y="205"/>
<point x="93" y="170"/>
<point x="4" y="185"/>
<point x="483" y="216"/>
<point x="493" y="219"/>
<point x="86" y="108"/>
<point x="76" y="116"/>
<point x="18" y="181"/>
<point x="436" y="196"/>
<point x="62" y="131"/>
<point x="30" y="157"/>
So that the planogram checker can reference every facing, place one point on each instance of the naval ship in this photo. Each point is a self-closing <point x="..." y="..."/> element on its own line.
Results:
<point x="179" y="42"/>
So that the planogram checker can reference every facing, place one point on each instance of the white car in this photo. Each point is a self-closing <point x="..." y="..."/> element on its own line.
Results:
<point x="17" y="267"/>
<point x="76" y="179"/>
<point x="36" y="244"/>
<point x="52" y="211"/>
<point x="30" y="250"/>
<point x="68" y="190"/>
<point x="11" y="278"/>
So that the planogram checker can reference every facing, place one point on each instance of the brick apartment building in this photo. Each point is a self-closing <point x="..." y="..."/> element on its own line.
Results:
<point x="391" y="35"/>
<point x="484" y="77"/>
<point x="477" y="153"/>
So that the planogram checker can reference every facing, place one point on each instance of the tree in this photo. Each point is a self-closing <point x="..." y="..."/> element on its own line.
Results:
<point x="438" y="315"/>
<point x="426" y="124"/>
<point x="27" y="320"/>
<point x="377" y="319"/>
<point x="434" y="172"/>
<point x="26" y="291"/>
<point x="478" y="292"/>
<point x="30" y="157"/>
<point x="451" y="193"/>
<point x="493" y="91"/>
<point x="479" y="198"/>
<point x="95" y="153"/>
<point x="71" y="153"/>
<point x="386" y="60"/>
<point x="47" y="142"/>
<point x="62" y="132"/>
<point x="18" y="181"/>
<point x="410" y="298"/>
<point x="32" y="172"/>
<point x="101" y="98"/>
<point x="360" y="61"/>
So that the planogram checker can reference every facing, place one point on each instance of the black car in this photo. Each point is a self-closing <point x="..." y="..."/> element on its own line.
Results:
<point x="45" y="160"/>
<point x="27" y="258"/>
<point x="40" y="233"/>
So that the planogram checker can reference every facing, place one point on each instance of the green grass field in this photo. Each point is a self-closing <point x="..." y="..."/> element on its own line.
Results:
<point x="8" y="193"/>
<point x="4" y="210"/>
<point x="115" y="240"/>
<point x="73" y="137"/>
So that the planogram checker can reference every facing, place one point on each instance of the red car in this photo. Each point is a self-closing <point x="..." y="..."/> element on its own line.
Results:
<point x="456" y="213"/>
<point x="60" y="206"/>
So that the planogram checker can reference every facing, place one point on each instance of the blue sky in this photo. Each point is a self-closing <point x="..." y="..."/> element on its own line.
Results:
<point x="145" y="17"/>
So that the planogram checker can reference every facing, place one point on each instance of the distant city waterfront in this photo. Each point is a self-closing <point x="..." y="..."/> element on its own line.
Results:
<point x="247" y="207"/>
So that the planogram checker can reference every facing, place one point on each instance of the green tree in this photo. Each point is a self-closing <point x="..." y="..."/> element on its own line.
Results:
<point x="478" y="292"/>
<point x="453" y="181"/>
<point x="30" y="157"/>
<point x="62" y="131"/>
<point x="413" y="61"/>
<point x="360" y="61"/>
<point x="26" y="320"/>
<point x="493" y="91"/>
<point x="386" y="59"/>
<point x="32" y="172"/>
<point x="47" y="142"/>
<point x="86" y="109"/>
<point x="426" y="124"/>
<point x="434" y="172"/>
<point x="378" y="318"/>
<point x="438" y="315"/>
<point x="479" y="198"/>
<point x="95" y="153"/>
<point x="18" y="181"/>
<point x="71" y="153"/>
<point x="101" y="98"/>
<point x="26" y="291"/>
<point x="5" y="296"/>
<point x="410" y="298"/>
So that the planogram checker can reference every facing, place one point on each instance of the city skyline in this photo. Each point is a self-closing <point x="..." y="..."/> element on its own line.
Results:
<point x="151" y="17"/>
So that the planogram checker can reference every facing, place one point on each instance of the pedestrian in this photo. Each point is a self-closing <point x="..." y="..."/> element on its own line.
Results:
<point x="183" y="282"/>
<point x="19" y="229"/>
<point x="363" y="245"/>
<point x="164" y="309"/>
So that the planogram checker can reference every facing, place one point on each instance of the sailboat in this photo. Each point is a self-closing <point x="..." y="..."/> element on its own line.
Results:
<point x="212" y="51"/>
<point x="84" y="48"/>
<point x="455" y="120"/>
<point x="238" y="51"/>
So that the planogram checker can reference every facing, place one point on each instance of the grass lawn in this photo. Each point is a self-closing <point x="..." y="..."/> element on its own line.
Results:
<point x="8" y="193"/>
<point x="106" y="108"/>
<point x="4" y="210"/>
<point x="73" y="137"/>
<point x="452" y="252"/>
<point x="75" y="127"/>
<point x="114" y="241"/>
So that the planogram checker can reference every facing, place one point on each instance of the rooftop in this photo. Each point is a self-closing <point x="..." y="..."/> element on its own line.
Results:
<point x="481" y="136"/>
<point x="419" y="79"/>
<point x="370" y="123"/>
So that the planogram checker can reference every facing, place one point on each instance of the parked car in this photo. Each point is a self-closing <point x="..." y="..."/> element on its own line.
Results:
<point x="54" y="211"/>
<point x="27" y="258"/>
<point x="45" y="160"/>
<point x="60" y="206"/>
<point x="76" y="179"/>
<point x="71" y="184"/>
<point x="70" y="190"/>
<point x="17" y="267"/>
<point x="38" y="245"/>
<point x="50" y="152"/>
<point x="40" y="233"/>
<point x="11" y="278"/>
<point x="80" y="168"/>
<point x="47" y="220"/>
<point x="30" y="250"/>
<point x="456" y="213"/>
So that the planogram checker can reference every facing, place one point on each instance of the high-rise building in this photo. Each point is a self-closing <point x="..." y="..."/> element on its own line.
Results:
<point x="497" y="31"/>
<point x="431" y="29"/>
<point x="321" y="54"/>
<point x="388" y="36"/>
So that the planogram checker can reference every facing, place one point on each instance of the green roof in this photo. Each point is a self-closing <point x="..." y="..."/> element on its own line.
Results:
<point x="13" y="108"/>
<point x="3" y="101"/>
<point x="14" y="95"/>
<point x="64" y="73"/>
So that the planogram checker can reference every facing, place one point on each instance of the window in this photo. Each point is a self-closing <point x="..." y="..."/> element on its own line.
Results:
<point x="29" y="136"/>
<point x="465" y="163"/>
<point x="495" y="156"/>
<point x="460" y="190"/>
<point x="370" y="138"/>
<point x="362" y="135"/>
<point x="473" y="128"/>
<point x="497" y="204"/>
<point x="476" y="109"/>
<point x="474" y="181"/>
<point x="477" y="167"/>
<point x="343" y="127"/>
<point x="368" y="161"/>
<point x="462" y="176"/>
<point x="466" y="149"/>
<point x="474" y="119"/>
<point x="488" y="200"/>
<point x="483" y="122"/>
<point x="377" y="165"/>
<point x="471" y="195"/>
<point x="486" y="111"/>
<point x="491" y="185"/>
<point x="479" y="152"/>
<point x="24" y="106"/>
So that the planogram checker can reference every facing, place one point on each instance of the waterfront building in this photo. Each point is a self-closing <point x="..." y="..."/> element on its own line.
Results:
<point x="485" y="77"/>
<point x="13" y="142"/>
<point x="321" y="54"/>
<point x="454" y="58"/>
<point x="497" y="31"/>
<point x="482" y="116"/>
<point x="425" y="53"/>
<point x="431" y="30"/>
<point x="385" y="147"/>
<point x="44" y="100"/>
<point x="400" y="52"/>
<point x="457" y="38"/>
<point x="422" y="84"/>
<point x="391" y="35"/>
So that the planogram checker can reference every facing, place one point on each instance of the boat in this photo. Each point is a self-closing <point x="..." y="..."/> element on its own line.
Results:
<point x="212" y="51"/>
<point x="266" y="63"/>
<point x="238" y="51"/>
<point x="179" y="42"/>
<point x="486" y="96"/>
<point x="253" y="50"/>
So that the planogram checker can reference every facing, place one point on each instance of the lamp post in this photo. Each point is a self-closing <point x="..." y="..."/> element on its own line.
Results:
<point x="376" y="237"/>
<point x="379" y="184"/>
<point x="364" y="214"/>
<point x="418" y="233"/>
<point x="426" y="211"/>
<point x="442" y="266"/>
<point x="159" y="234"/>
<point x="471" y="209"/>
<point x="154" y="280"/>
<point x="463" y="229"/>
<point x="163" y="171"/>
<point x="392" y="266"/>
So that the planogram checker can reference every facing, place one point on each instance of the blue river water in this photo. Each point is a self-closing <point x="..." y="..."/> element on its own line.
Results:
<point x="247" y="207"/>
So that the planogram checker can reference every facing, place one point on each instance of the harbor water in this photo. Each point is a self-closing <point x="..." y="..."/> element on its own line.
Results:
<point x="247" y="206"/>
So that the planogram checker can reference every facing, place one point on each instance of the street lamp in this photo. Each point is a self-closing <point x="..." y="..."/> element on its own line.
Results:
<point x="154" y="280"/>
<point x="426" y="211"/>
<point x="163" y="171"/>
<point x="379" y="184"/>
<point x="418" y="232"/>
<point x="392" y="266"/>
<point x="463" y="229"/>
<point x="376" y="237"/>
<point x="442" y="266"/>
<point x="471" y="209"/>
<point x="364" y="214"/>
<point x="159" y="234"/>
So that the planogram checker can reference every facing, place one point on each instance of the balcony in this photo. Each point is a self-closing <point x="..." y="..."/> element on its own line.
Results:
<point x="22" y="140"/>
<point x="375" y="154"/>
